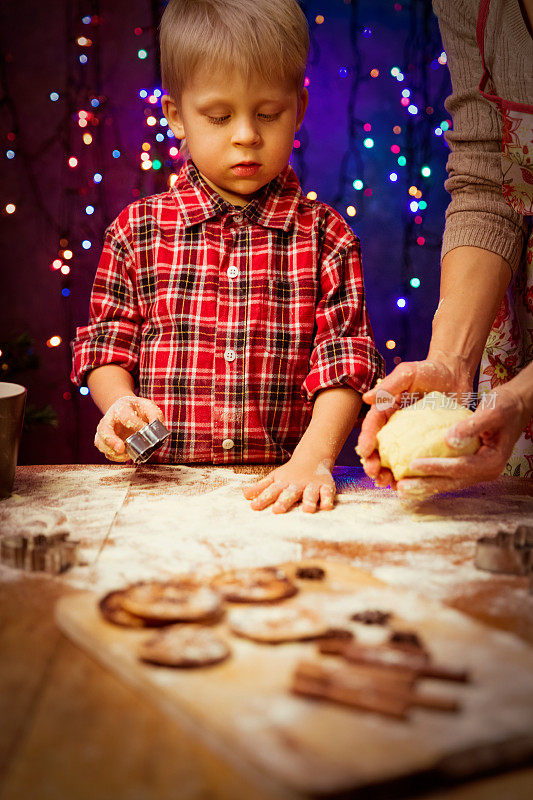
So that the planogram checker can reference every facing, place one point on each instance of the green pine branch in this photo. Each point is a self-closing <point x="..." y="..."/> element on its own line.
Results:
<point x="17" y="356"/>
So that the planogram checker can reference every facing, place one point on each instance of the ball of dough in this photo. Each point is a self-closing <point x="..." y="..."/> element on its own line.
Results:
<point x="417" y="431"/>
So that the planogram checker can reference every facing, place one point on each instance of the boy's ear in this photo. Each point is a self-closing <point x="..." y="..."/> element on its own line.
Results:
<point x="303" y="100"/>
<point x="173" y="116"/>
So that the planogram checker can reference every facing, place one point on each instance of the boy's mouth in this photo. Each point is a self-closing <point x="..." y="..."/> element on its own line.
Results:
<point x="245" y="168"/>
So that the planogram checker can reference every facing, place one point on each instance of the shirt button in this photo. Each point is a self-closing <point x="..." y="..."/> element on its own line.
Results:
<point x="227" y="444"/>
<point x="238" y="218"/>
<point x="230" y="355"/>
<point x="232" y="272"/>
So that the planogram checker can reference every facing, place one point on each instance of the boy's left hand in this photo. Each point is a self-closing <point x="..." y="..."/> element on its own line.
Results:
<point x="296" y="480"/>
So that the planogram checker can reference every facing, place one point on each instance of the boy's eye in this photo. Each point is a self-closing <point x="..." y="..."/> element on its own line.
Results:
<point x="218" y="120"/>
<point x="225" y="117"/>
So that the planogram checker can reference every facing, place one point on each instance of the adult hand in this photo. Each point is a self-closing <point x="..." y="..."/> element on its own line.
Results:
<point x="409" y="377"/>
<point x="125" y="416"/>
<point x="296" y="480"/>
<point x="498" y="421"/>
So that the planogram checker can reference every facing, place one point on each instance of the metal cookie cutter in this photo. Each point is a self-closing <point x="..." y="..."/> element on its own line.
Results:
<point x="39" y="553"/>
<point x="509" y="553"/>
<point x="144" y="443"/>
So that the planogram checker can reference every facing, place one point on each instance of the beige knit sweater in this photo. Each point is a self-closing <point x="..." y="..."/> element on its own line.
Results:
<point x="478" y="214"/>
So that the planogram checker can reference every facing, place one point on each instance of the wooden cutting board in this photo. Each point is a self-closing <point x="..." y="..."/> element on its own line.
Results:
<point x="294" y="747"/>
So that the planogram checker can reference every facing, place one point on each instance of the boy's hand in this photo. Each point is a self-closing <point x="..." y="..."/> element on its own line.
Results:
<point x="124" y="417"/>
<point x="296" y="480"/>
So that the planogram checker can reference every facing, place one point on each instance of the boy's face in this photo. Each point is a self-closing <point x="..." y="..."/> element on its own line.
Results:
<point x="240" y="134"/>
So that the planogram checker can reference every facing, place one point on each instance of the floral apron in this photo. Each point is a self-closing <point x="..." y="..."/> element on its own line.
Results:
<point x="509" y="347"/>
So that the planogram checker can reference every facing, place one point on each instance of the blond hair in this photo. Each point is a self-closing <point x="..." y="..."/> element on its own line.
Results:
<point x="268" y="38"/>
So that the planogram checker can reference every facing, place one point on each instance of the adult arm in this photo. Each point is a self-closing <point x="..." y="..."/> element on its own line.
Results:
<point x="461" y="325"/>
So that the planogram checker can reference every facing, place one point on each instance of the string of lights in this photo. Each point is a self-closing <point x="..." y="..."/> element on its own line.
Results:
<point x="17" y="152"/>
<point x="414" y="149"/>
<point x="352" y="162"/>
<point x="83" y="211"/>
<point x="159" y="159"/>
<point x="87" y="123"/>
<point x="301" y="141"/>
<point x="421" y="45"/>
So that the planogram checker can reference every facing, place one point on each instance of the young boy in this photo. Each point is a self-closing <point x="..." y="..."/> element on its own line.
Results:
<point x="232" y="303"/>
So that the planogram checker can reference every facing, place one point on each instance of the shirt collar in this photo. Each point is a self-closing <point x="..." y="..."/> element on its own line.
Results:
<point x="274" y="206"/>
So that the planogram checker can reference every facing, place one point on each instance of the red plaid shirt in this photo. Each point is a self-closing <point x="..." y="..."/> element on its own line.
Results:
<point x="230" y="319"/>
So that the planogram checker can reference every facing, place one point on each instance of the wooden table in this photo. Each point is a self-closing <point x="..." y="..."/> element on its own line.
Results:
<point x="70" y="729"/>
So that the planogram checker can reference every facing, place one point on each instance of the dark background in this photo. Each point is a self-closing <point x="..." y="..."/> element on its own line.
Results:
<point x="40" y="53"/>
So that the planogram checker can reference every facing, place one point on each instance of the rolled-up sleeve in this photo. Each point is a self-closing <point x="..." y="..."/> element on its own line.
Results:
<point x="344" y="352"/>
<point x="113" y="333"/>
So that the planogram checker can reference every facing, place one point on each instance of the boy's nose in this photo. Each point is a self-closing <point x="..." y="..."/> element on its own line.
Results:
<point x="246" y="133"/>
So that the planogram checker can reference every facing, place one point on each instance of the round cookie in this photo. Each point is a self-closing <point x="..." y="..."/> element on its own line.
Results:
<point x="113" y="611"/>
<point x="184" y="646"/>
<point x="418" y="431"/>
<point x="278" y="624"/>
<point x="171" y="601"/>
<point x="254" y="585"/>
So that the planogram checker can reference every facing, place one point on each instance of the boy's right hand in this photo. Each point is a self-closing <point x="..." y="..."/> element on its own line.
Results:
<point x="125" y="416"/>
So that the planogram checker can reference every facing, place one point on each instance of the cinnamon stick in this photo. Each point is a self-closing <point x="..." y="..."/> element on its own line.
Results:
<point x="352" y="689"/>
<point x="387" y="694"/>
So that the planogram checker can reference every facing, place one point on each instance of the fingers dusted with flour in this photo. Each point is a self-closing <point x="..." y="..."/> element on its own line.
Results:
<point x="125" y="416"/>
<point x="310" y="497"/>
<point x="252" y="490"/>
<point x="286" y="486"/>
<point x="307" y="477"/>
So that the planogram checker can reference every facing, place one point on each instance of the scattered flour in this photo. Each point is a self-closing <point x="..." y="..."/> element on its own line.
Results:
<point x="161" y="521"/>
